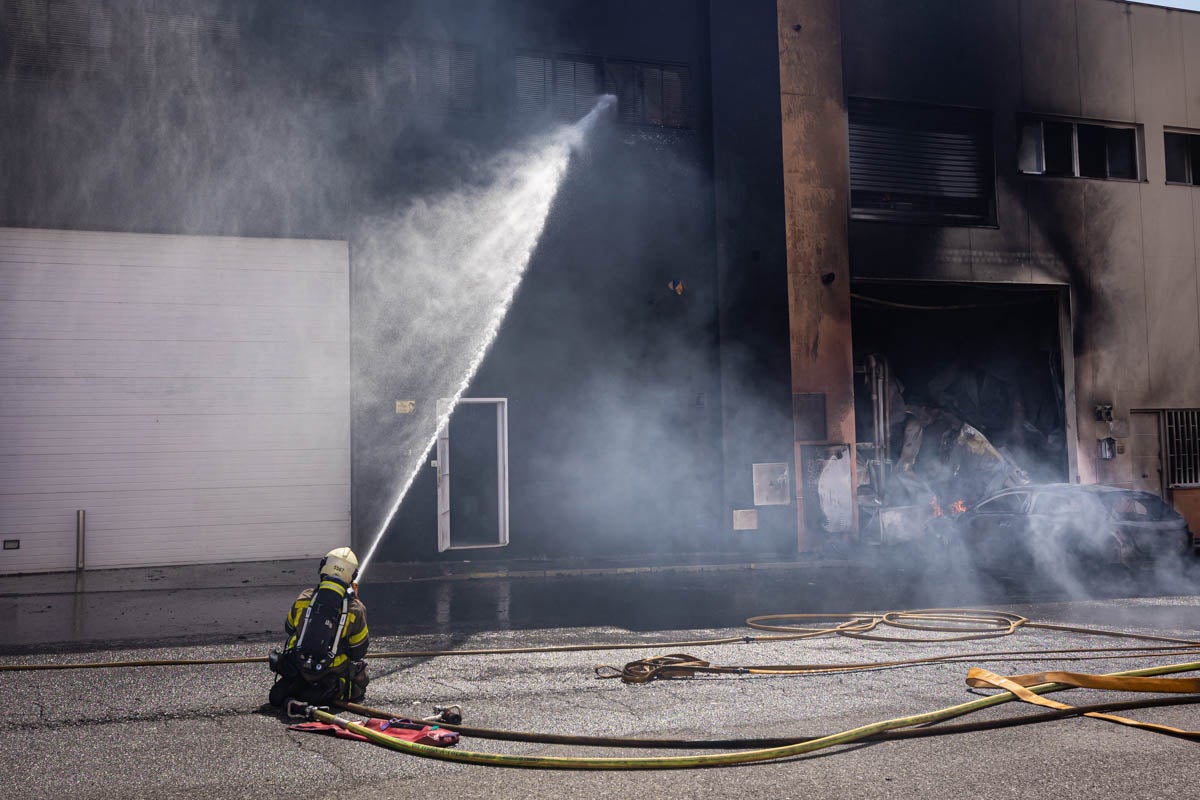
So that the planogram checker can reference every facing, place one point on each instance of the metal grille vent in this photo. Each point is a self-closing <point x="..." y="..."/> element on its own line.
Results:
<point x="1183" y="447"/>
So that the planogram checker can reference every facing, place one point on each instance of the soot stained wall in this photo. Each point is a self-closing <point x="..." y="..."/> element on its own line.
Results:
<point x="1118" y="245"/>
<point x="611" y="377"/>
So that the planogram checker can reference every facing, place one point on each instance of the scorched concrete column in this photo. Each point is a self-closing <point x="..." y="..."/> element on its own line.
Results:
<point x="816" y="198"/>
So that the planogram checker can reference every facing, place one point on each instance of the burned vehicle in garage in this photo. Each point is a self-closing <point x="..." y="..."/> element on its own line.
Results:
<point x="1090" y="532"/>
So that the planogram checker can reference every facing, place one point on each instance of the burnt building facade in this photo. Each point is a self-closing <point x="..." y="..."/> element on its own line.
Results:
<point x="822" y="260"/>
<point x="1020" y="244"/>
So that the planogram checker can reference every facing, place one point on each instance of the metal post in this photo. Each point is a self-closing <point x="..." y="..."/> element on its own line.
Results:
<point x="80" y="529"/>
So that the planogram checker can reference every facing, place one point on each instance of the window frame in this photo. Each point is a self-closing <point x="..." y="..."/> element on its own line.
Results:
<point x="1191" y="154"/>
<point x="1025" y="120"/>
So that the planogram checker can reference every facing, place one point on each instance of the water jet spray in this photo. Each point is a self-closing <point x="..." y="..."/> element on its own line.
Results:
<point x="475" y="240"/>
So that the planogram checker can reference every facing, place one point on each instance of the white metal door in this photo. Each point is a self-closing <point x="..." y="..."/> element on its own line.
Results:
<point x="443" y="473"/>
<point x="191" y="394"/>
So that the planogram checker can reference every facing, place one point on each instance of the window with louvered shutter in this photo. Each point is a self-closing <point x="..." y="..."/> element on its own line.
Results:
<point x="648" y="94"/>
<point x="532" y="83"/>
<point x="565" y="86"/>
<point x="440" y="76"/>
<point x="23" y="32"/>
<point x="674" y="97"/>
<point x="920" y="163"/>
<point x="189" y="54"/>
<point x="464" y="80"/>
<point x="60" y="39"/>
<point x="622" y="81"/>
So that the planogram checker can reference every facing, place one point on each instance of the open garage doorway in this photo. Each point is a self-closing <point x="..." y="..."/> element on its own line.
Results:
<point x="960" y="391"/>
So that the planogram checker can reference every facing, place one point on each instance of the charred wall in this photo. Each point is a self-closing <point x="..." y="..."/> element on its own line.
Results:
<point x="1127" y="250"/>
<point x="751" y="262"/>
<point x="610" y="372"/>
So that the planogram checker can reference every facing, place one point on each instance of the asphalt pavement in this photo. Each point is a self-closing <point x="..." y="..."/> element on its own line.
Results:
<point x="204" y="731"/>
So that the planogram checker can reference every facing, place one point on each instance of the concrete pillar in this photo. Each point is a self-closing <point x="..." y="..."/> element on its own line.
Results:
<point x="816" y="200"/>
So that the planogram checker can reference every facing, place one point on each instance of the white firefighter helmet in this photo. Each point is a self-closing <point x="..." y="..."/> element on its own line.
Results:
<point x="340" y="564"/>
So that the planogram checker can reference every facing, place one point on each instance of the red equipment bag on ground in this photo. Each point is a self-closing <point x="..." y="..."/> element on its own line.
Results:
<point x="405" y="729"/>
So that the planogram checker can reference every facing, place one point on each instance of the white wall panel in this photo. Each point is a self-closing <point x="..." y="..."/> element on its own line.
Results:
<point x="190" y="393"/>
<point x="189" y="396"/>
<point x="165" y="434"/>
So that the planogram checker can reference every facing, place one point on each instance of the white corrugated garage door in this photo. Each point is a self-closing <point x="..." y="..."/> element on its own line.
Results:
<point x="191" y="394"/>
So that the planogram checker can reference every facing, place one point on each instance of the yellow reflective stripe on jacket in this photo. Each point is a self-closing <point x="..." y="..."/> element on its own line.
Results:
<point x="297" y="612"/>
<point x="354" y="639"/>
<point x="334" y="585"/>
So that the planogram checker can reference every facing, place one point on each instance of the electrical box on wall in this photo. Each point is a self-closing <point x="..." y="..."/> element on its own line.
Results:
<point x="771" y="484"/>
<point x="1107" y="448"/>
<point x="745" y="519"/>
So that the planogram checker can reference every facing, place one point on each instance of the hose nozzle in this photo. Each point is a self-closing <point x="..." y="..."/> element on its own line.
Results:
<point x="451" y="715"/>
<point x="298" y="709"/>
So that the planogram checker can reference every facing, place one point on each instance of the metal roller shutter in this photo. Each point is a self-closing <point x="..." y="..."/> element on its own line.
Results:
<point x="919" y="161"/>
<point x="191" y="394"/>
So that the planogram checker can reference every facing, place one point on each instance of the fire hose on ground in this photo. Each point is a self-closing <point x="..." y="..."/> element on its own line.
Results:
<point x="1028" y="688"/>
<point x="950" y="625"/>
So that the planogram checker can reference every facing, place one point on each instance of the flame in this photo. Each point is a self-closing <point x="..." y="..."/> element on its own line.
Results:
<point x="958" y="507"/>
<point x="937" y="510"/>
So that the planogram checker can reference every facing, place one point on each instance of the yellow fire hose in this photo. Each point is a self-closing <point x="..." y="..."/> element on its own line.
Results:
<point x="1015" y="688"/>
<point x="756" y="742"/>
<point x="949" y="625"/>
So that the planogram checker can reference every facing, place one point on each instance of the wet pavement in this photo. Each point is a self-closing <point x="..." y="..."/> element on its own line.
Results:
<point x="217" y="603"/>
<point x="203" y="730"/>
<point x="214" y="602"/>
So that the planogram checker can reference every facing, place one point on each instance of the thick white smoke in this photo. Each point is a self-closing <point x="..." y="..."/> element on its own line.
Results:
<point x="441" y="277"/>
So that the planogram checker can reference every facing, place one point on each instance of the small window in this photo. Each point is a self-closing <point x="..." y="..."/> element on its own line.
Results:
<point x="1183" y="157"/>
<point x="1061" y="148"/>
<point x="913" y="163"/>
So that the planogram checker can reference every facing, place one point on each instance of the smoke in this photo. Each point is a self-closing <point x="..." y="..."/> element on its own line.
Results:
<point x="436" y="282"/>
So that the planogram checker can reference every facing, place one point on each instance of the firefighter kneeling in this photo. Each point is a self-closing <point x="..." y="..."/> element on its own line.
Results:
<point x="327" y="639"/>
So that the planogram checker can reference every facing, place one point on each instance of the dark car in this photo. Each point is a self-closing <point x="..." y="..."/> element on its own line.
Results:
<point x="1091" y="530"/>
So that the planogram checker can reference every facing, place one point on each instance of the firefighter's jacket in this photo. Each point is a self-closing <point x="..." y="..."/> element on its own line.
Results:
<point x="353" y="646"/>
